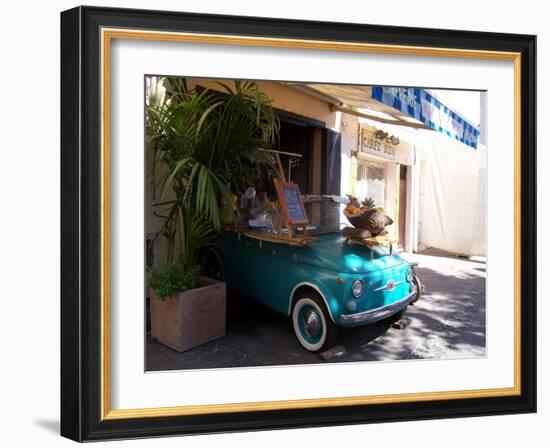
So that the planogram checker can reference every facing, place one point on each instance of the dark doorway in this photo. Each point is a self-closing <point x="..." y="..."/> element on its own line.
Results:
<point x="297" y="139"/>
<point x="402" y="204"/>
<point x="318" y="171"/>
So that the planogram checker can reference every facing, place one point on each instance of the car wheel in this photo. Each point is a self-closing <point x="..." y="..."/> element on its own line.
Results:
<point x="312" y="324"/>
<point x="212" y="267"/>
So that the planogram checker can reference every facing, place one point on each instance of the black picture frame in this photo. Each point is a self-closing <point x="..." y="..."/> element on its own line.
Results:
<point x="81" y="380"/>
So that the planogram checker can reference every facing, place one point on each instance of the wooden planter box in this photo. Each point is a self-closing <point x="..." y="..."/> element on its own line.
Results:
<point x="190" y="318"/>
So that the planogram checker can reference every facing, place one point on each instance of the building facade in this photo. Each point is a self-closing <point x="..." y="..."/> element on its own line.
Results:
<point x="432" y="185"/>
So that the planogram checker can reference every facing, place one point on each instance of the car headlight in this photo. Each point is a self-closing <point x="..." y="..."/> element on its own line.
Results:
<point x="410" y="275"/>
<point x="357" y="288"/>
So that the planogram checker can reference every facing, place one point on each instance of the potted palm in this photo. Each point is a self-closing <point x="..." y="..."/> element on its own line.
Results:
<point x="205" y="144"/>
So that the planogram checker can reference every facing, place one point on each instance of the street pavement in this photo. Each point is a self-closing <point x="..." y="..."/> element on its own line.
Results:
<point x="448" y="322"/>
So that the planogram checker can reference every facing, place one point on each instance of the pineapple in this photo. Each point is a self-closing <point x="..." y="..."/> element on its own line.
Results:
<point x="367" y="204"/>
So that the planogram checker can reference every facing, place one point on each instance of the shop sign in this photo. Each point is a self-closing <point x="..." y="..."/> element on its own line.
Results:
<point x="371" y="143"/>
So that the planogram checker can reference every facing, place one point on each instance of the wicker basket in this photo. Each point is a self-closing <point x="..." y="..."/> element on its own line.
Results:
<point x="190" y="318"/>
<point x="363" y="220"/>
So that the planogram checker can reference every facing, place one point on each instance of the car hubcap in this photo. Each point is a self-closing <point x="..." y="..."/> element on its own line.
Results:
<point x="310" y="324"/>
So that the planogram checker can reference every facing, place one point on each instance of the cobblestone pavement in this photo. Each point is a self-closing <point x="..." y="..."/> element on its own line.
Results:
<point x="448" y="322"/>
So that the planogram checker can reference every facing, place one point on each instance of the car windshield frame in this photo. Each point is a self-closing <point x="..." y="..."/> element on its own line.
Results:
<point x="325" y="214"/>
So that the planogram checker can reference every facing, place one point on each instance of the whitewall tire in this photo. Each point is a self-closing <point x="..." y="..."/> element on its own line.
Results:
<point x="312" y="324"/>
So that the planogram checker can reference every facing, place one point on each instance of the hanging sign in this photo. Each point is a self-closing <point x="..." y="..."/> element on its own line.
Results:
<point x="424" y="107"/>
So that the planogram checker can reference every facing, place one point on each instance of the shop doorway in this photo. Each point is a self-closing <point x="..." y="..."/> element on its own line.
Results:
<point x="298" y="139"/>
<point x="318" y="171"/>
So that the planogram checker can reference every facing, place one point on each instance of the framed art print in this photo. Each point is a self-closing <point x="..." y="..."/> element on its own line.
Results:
<point x="272" y="223"/>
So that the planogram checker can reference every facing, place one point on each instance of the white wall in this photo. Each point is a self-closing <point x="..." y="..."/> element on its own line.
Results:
<point x="452" y="196"/>
<point x="446" y="186"/>
<point x="30" y="162"/>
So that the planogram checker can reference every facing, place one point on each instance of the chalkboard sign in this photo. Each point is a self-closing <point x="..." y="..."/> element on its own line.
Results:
<point x="291" y="203"/>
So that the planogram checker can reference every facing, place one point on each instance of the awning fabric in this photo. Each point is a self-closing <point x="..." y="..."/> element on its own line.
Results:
<point x="421" y="105"/>
<point x="405" y="105"/>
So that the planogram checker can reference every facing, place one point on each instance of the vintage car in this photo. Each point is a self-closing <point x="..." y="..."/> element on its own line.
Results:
<point x="329" y="283"/>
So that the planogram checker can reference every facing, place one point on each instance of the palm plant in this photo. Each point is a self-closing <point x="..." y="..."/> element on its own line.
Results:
<point x="205" y="145"/>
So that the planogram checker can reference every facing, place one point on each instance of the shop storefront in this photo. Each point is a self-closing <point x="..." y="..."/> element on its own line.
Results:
<point x="380" y="170"/>
<point x="399" y="146"/>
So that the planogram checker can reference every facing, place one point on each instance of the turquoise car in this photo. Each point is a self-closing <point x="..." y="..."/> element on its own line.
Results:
<point x="327" y="284"/>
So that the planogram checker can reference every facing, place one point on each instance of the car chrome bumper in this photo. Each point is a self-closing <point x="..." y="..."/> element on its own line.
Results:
<point x="377" y="313"/>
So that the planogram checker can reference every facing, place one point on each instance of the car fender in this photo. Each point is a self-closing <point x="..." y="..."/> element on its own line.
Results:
<point x="314" y="287"/>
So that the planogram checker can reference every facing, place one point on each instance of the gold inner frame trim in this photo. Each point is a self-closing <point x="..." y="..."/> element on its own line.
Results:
<point x="107" y="35"/>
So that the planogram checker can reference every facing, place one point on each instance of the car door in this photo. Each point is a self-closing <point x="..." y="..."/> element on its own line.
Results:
<point x="265" y="272"/>
<point x="234" y="251"/>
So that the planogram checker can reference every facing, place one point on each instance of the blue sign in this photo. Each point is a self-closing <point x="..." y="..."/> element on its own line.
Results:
<point x="294" y="204"/>
<point x="424" y="107"/>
